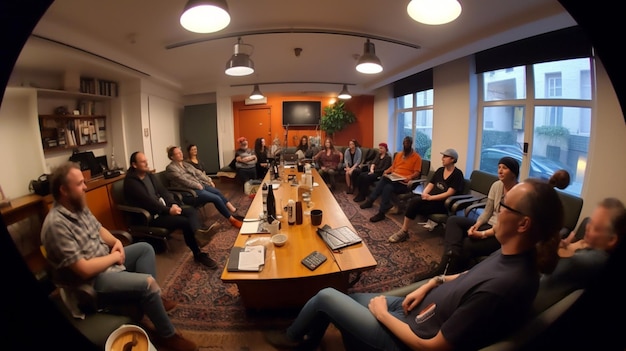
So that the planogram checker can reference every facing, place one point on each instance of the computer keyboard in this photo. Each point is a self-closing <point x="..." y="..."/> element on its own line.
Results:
<point x="337" y="238"/>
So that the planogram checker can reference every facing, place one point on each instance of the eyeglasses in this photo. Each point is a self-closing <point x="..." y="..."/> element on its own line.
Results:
<point x="511" y="208"/>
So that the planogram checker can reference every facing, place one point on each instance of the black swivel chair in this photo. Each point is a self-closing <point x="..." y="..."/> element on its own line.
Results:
<point x="137" y="219"/>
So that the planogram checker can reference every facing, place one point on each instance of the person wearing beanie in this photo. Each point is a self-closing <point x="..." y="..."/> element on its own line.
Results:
<point x="445" y="182"/>
<point x="466" y="238"/>
<point x="365" y="179"/>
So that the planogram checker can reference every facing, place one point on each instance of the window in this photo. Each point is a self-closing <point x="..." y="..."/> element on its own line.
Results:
<point x="414" y="118"/>
<point x="555" y="119"/>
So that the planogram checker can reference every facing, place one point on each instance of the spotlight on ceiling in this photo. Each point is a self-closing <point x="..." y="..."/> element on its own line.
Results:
<point x="369" y="63"/>
<point x="344" y="94"/>
<point x="434" y="12"/>
<point x="205" y="16"/>
<point x="240" y="63"/>
<point x="256" y="93"/>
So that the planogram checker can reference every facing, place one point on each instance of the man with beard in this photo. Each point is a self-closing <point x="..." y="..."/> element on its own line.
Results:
<point x="406" y="164"/>
<point x="84" y="253"/>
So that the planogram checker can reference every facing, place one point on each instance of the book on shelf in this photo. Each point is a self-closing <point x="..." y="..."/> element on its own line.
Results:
<point x="101" y="132"/>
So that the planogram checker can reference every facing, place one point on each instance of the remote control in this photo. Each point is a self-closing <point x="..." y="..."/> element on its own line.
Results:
<point x="313" y="260"/>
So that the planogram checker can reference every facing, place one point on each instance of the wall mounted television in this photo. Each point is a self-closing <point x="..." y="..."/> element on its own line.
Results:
<point x="302" y="113"/>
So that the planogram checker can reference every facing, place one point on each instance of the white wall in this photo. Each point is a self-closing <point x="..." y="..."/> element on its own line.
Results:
<point x="383" y="117"/>
<point x="226" y="129"/>
<point x="451" y="112"/>
<point x="605" y="163"/>
<point x="20" y="141"/>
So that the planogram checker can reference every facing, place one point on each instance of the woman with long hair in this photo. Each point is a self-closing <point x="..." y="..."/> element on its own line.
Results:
<point x="262" y="164"/>
<point x="328" y="161"/>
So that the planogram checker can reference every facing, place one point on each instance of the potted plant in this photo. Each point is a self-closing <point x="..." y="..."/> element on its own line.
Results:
<point x="336" y="118"/>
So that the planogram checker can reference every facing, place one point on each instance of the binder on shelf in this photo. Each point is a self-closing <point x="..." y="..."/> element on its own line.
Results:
<point x="246" y="259"/>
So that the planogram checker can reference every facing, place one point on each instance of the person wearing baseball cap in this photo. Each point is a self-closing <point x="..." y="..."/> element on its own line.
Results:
<point x="447" y="181"/>
<point x="466" y="238"/>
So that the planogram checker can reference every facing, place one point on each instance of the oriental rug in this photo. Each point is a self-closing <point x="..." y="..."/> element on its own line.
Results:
<point x="207" y="304"/>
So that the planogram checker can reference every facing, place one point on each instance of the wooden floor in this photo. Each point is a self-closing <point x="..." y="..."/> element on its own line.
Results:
<point x="166" y="260"/>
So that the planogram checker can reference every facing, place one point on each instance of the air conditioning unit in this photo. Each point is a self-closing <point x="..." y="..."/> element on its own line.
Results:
<point x="256" y="102"/>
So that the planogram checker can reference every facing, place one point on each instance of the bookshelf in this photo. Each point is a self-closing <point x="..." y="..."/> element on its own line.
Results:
<point x="63" y="132"/>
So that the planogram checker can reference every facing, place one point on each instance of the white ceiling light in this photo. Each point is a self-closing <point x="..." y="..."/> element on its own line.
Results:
<point x="240" y="63"/>
<point x="369" y="63"/>
<point x="434" y="11"/>
<point x="205" y="16"/>
<point x="344" y="94"/>
<point x="256" y="93"/>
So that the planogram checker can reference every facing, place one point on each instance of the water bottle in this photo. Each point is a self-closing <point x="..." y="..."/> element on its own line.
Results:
<point x="271" y="204"/>
<point x="291" y="212"/>
<point x="308" y="176"/>
<point x="264" y="192"/>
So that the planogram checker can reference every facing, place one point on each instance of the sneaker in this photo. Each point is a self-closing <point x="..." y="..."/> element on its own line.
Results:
<point x="399" y="236"/>
<point x="430" y="225"/>
<point x="235" y="222"/>
<point x="175" y="342"/>
<point x="367" y="204"/>
<point x="168" y="304"/>
<point x="359" y="198"/>
<point x="280" y="340"/>
<point x="394" y="210"/>
<point x="377" y="217"/>
<point x="204" y="259"/>
<point x="238" y="217"/>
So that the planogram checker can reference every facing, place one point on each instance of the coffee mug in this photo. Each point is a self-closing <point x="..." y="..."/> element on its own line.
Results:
<point x="272" y="228"/>
<point x="316" y="217"/>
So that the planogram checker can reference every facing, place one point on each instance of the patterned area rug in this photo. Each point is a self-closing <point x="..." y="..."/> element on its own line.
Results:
<point x="206" y="303"/>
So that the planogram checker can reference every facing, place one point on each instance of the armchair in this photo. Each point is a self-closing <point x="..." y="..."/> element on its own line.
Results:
<point x="549" y="305"/>
<point x="137" y="219"/>
<point x="98" y="323"/>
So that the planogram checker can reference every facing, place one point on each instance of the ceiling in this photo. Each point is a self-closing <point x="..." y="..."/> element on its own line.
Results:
<point x="143" y="38"/>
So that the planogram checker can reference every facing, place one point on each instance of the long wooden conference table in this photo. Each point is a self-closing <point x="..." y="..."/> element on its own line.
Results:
<point x="284" y="282"/>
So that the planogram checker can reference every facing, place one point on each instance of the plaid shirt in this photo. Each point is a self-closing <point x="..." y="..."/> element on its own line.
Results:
<point x="69" y="236"/>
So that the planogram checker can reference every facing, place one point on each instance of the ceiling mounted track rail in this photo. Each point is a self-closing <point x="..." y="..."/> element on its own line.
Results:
<point x="293" y="31"/>
<point x="298" y="82"/>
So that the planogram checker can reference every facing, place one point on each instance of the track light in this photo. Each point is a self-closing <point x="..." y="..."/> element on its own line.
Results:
<point x="434" y="11"/>
<point x="369" y="63"/>
<point x="205" y="16"/>
<point x="240" y="63"/>
<point x="256" y="93"/>
<point x="344" y="94"/>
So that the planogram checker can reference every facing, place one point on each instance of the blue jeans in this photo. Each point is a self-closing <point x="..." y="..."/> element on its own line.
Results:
<point x="133" y="285"/>
<point x="385" y="188"/>
<point x="214" y="196"/>
<point x="350" y="314"/>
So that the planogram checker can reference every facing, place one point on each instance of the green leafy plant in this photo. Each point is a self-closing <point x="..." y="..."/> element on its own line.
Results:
<point x="552" y="131"/>
<point x="336" y="118"/>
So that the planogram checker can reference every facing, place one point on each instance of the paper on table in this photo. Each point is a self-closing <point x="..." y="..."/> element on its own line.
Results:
<point x="252" y="258"/>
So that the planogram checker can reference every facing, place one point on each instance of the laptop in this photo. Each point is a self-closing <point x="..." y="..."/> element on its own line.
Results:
<point x="290" y="159"/>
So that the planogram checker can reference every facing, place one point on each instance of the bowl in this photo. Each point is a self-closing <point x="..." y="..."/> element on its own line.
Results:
<point x="279" y="239"/>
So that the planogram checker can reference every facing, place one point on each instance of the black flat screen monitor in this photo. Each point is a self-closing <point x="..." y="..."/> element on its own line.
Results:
<point x="301" y="113"/>
<point x="87" y="161"/>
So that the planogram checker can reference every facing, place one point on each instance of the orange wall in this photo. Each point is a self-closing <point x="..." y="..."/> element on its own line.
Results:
<point x="362" y="129"/>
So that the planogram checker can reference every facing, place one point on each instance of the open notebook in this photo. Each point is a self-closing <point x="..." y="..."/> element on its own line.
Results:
<point x="394" y="177"/>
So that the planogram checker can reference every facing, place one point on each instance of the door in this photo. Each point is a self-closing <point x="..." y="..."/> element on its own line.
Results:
<point x="199" y="127"/>
<point x="255" y="123"/>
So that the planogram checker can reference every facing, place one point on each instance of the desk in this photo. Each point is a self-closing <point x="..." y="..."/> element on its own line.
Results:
<point x="284" y="282"/>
